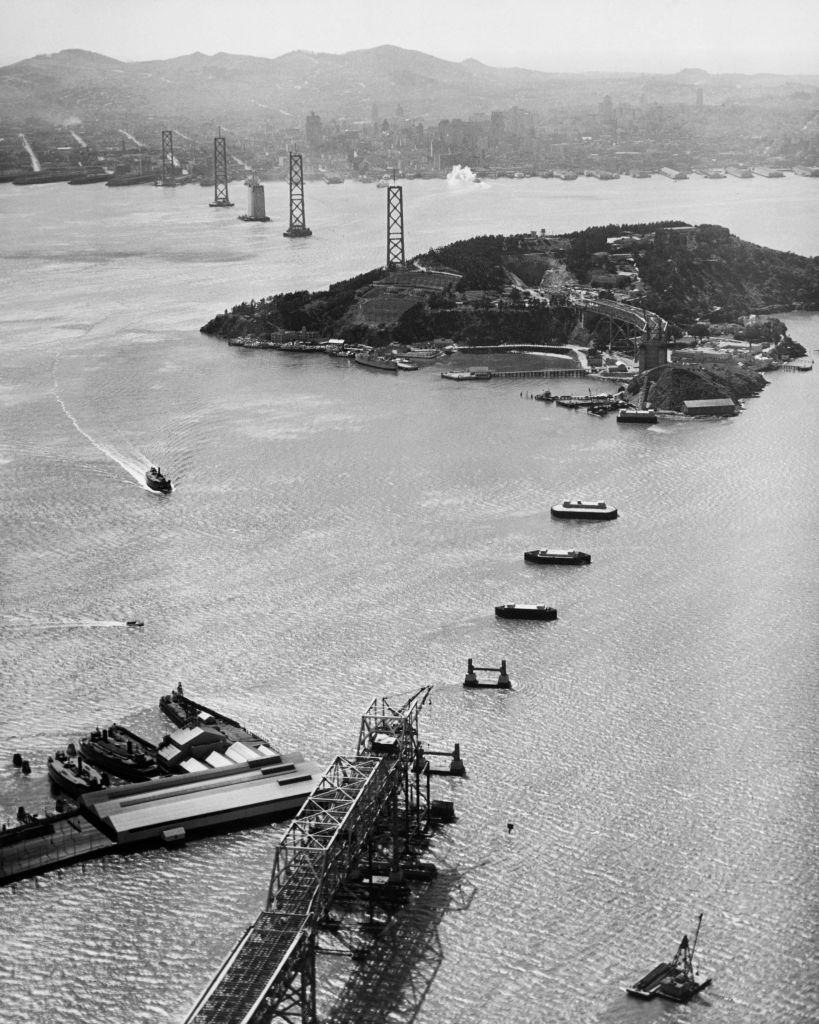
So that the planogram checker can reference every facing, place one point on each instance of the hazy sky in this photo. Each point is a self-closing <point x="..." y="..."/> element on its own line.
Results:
<point x="779" y="36"/>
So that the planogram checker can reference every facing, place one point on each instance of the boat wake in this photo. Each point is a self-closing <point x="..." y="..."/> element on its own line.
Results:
<point x="18" y="622"/>
<point x="134" y="467"/>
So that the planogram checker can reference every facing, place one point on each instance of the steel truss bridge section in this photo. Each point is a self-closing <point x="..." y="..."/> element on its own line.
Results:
<point x="270" y="973"/>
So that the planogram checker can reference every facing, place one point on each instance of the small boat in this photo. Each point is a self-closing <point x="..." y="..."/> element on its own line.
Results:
<point x="598" y="410"/>
<point x="636" y="416"/>
<point x="405" y="364"/>
<point x="557" y="556"/>
<point x="544" y="396"/>
<point x="68" y="770"/>
<point x="121" y="752"/>
<point x="156" y="481"/>
<point x="584" y="510"/>
<point x="135" y="623"/>
<point x="678" y="980"/>
<point x="525" y="611"/>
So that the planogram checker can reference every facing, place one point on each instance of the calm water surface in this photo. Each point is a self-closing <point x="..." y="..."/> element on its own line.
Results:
<point x="334" y="535"/>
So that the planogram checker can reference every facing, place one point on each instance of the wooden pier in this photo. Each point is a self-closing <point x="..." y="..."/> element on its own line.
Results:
<point x="574" y="372"/>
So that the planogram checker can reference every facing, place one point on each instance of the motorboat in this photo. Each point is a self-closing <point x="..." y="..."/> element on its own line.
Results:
<point x="156" y="481"/>
<point x="584" y="510"/>
<point x="135" y="623"/>
<point x="557" y="556"/>
<point x="525" y="611"/>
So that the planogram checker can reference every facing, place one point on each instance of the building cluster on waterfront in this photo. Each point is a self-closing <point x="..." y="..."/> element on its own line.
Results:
<point x="615" y="138"/>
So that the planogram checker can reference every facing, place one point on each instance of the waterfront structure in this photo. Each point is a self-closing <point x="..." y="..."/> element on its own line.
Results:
<point x="298" y="227"/>
<point x="395" y="227"/>
<point x="220" y="172"/>
<point x="710" y="407"/>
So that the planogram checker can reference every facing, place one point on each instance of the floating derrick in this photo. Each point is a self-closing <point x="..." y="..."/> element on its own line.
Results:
<point x="677" y="980"/>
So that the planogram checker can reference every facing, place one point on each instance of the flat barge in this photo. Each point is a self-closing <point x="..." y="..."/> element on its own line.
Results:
<point x="557" y="556"/>
<point x="525" y="611"/>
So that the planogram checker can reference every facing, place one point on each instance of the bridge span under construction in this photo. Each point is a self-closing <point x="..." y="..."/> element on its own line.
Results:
<point x="367" y="821"/>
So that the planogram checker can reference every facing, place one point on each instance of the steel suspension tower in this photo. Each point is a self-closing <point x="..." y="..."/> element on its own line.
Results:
<point x="168" y="168"/>
<point x="220" y="172"/>
<point x="395" y="227"/>
<point x="297" y="229"/>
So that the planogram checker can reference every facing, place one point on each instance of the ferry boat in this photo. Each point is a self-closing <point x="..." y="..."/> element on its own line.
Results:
<point x="375" y="362"/>
<point x="156" y="481"/>
<point x="636" y="416"/>
<point x="678" y="980"/>
<point x="584" y="510"/>
<point x="69" y="772"/>
<point x="557" y="556"/>
<point x="525" y="611"/>
<point x="121" y="752"/>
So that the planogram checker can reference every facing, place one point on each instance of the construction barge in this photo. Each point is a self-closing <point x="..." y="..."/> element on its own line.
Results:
<point x="677" y="980"/>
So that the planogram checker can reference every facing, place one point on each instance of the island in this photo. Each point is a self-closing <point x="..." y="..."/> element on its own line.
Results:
<point x="677" y="312"/>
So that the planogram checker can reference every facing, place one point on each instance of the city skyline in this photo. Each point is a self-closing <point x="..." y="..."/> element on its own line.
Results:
<point x="645" y="36"/>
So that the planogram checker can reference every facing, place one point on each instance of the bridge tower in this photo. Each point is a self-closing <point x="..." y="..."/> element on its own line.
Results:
<point x="220" y="172"/>
<point x="297" y="229"/>
<point x="652" y="350"/>
<point x="395" y="227"/>
<point x="168" y="179"/>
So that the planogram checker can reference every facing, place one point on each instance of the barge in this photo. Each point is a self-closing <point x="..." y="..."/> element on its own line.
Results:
<point x="525" y="611"/>
<point x="584" y="510"/>
<point x="677" y="980"/>
<point x="557" y="556"/>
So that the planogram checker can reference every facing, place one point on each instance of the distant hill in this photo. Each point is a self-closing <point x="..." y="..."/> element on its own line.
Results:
<point x="77" y="85"/>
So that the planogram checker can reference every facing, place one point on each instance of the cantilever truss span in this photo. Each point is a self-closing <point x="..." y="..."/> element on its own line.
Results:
<point x="270" y="973"/>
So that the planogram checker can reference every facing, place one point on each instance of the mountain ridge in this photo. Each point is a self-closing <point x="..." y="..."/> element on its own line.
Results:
<point x="83" y="85"/>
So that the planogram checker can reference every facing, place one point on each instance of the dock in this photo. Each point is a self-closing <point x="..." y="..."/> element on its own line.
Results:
<point x="574" y="372"/>
<point x="57" y="842"/>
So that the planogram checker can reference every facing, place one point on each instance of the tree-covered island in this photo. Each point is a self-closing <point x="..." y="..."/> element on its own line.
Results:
<point x="546" y="291"/>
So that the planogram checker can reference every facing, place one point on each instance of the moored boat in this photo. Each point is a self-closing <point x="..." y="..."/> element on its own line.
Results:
<point x="121" y="752"/>
<point x="584" y="510"/>
<point x="557" y="556"/>
<point x="636" y="416"/>
<point x="188" y="713"/>
<point x="156" y="481"/>
<point x="405" y="364"/>
<point x="69" y="771"/>
<point x="475" y="373"/>
<point x="678" y="980"/>
<point x="375" y="362"/>
<point x="525" y="611"/>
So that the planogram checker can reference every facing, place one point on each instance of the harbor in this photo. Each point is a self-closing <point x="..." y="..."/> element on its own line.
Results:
<point x="299" y="481"/>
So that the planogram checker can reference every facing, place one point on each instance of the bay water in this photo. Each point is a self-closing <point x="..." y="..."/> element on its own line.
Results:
<point x="336" y="534"/>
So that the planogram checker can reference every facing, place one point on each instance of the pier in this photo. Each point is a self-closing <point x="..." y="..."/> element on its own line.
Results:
<point x="367" y="817"/>
<point x="552" y="374"/>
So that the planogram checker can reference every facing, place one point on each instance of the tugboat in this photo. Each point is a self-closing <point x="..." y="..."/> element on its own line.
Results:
<point x="678" y="980"/>
<point x="557" y="556"/>
<point x="156" y="481"/>
<point x="525" y="611"/>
